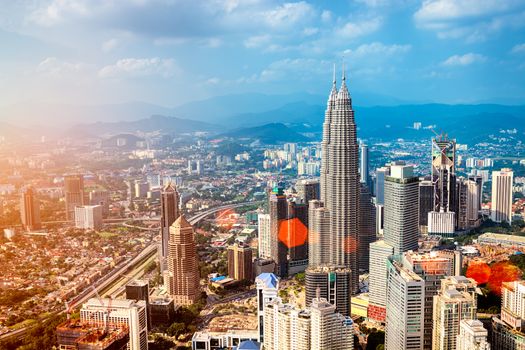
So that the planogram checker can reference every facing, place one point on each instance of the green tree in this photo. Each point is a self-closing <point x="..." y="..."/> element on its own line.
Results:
<point x="176" y="329"/>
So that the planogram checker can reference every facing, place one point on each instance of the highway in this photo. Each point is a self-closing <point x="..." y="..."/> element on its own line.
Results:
<point x="120" y="270"/>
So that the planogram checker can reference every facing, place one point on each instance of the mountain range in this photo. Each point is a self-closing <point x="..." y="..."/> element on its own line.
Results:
<point x="278" y="118"/>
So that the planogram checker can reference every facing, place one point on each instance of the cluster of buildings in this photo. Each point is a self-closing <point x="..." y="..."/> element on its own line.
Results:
<point x="306" y="160"/>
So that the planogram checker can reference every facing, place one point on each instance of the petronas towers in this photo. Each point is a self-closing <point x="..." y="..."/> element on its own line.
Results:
<point x="340" y="189"/>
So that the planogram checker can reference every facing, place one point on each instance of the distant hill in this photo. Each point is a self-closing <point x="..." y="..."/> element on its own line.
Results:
<point x="170" y="125"/>
<point x="268" y="133"/>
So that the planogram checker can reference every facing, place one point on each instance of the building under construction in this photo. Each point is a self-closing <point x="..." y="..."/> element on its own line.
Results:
<point x="76" y="335"/>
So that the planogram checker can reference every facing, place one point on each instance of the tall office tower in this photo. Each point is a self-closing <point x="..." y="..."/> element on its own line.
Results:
<point x="30" y="210"/>
<point x="426" y="202"/>
<point x="363" y="163"/>
<point x="474" y="200"/>
<point x="442" y="219"/>
<point x="455" y="301"/>
<point x="264" y="234"/>
<point x="501" y="209"/>
<point x="139" y="290"/>
<point x="508" y="331"/>
<point x="401" y="208"/>
<point x="333" y="283"/>
<point x="290" y="148"/>
<point x="296" y="235"/>
<point x="443" y="172"/>
<point x="479" y="186"/>
<point x="367" y="227"/>
<point x="318" y="234"/>
<point x="462" y="188"/>
<point x="74" y="194"/>
<point x="100" y="197"/>
<point x="405" y="297"/>
<point x="169" y="212"/>
<point x="381" y="174"/>
<point x="278" y="209"/>
<point x="88" y="217"/>
<point x="472" y="336"/>
<point x="308" y="190"/>
<point x="432" y="268"/>
<point x="183" y="268"/>
<point x="380" y="251"/>
<point x="289" y="233"/>
<point x="267" y="288"/>
<point x="286" y="328"/>
<point x="340" y="178"/>
<point x="118" y="312"/>
<point x="141" y="189"/>
<point x="240" y="262"/>
<point x="330" y="330"/>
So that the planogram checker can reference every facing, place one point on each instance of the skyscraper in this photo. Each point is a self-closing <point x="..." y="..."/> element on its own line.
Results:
<point x="169" y="207"/>
<point x="264" y="239"/>
<point x="30" y="210"/>
<point x="401" y="209"/>
<point x="363" y="163"/>
<point x="442" y="219"/>
<point x="240" y="262"/>
<point x="318" y="234"/>
<point x="340" y="178"/>
<point x="183" y="269"/>
<point x="380" y="251"/>
<point x="456" y="301"/>
<point x="508" y="331"/>
<point x="381" y="174"/>
<point x="367" y="227"/>
<point x="501" y="209"/>
<point x="405" y="297"/>
<point x="278" y="209"/>
<point x="286" y="327"/>
<point x="267" y="287"/>
<point x="139" y="290"/>
<point x="289" y="233"/>
<point x="74" y="194"/>
<point x="426" y="202"/>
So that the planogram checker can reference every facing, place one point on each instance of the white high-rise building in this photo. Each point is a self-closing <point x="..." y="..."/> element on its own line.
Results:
<point x="330" y="330"/>
<point x="363" y="163"/>
<point x="380" y="251"/>
<point x="501" y="209"/>
<point x="405" y="298"/>
<point x="472" y="336"/>
<point x="508" y="331"/>
<point x="456" y="301"/>
<point x="318" y="234"/>
<point x="267" y="287"/>
<point x="285" y="327"/>
<point x="401" y="228"/>
<point x="88" y="217"/>
<point x="119" y="312"/>
<point x="265" y="239"/>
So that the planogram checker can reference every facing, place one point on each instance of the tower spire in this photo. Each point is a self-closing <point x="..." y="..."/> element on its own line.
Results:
<point x="334" y="81"/>
<point x="344" y="73"/>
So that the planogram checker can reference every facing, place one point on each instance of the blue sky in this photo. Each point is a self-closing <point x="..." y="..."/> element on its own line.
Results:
<point x="169" y="52"/>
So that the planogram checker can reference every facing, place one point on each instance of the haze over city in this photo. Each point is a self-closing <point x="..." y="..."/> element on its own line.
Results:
<point x="262" y="175"/>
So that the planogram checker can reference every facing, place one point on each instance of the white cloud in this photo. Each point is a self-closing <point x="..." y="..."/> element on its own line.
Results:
<point x="377" y="48"/>
<point x="353" y="30"/>
<point x="110" y="44"/>
<point x="518" y="48"/>
<point x="326" y="16"/>
<point x="257" y="41"/>
<point x="213" y="81"/>
<point x="139" y="67"/>
<point x="58" y="10"/>
<point x="310" y="31"/>
<point x="438" y="10"/>
<point x="464" y="60"/>
<point x="288" y="14"/>
<point x="53" y="67"/>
